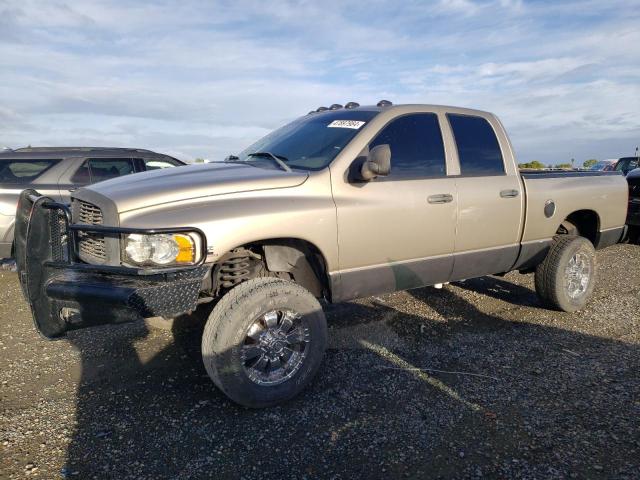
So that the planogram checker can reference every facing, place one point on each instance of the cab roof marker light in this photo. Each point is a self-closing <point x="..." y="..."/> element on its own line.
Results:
<point x="352" y="105"/>
<point x="321" y="109"/>
<point x="335" y="106"/>
<point x="384" y="103"/>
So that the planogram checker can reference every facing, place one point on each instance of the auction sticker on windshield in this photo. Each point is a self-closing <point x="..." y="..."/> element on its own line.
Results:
<point x="355" y="124"/>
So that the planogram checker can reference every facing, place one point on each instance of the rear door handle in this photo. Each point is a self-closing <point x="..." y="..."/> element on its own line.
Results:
<point x="509" y="193"/>
<point x="440" y="198"/>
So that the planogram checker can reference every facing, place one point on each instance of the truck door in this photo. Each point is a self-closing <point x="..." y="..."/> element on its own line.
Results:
<point x="397" y="232"/>
<point x="490" y="199"/>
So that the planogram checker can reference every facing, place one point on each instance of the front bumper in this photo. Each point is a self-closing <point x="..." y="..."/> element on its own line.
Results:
<point x="66" y="294"/>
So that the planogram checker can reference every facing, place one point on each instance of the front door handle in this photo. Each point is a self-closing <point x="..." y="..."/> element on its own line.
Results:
<point x="440" y="198"/>
<point x="509" y="193"/>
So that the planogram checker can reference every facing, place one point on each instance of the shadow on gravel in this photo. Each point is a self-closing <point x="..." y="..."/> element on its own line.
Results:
<point x="501" y="290"/>
<point x="475" y="395"/>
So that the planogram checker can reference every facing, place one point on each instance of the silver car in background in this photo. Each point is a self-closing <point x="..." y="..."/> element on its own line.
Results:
<point x="58" y="171"/>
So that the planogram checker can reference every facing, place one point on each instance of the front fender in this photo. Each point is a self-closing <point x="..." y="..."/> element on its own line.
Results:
<point x="306" y="212"/>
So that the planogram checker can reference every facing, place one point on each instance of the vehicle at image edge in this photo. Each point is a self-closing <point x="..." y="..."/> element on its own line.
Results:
<point x="57" y="171"/>
<point x="626" y="164"/>
<point x="342" y="203"/>
<point x="633" y="211"/>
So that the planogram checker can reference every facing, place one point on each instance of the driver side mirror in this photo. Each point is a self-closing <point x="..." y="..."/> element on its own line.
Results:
<point x="377" y="163"/>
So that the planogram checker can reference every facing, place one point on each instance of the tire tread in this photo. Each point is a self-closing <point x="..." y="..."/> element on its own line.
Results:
<point x="546" y="275"/>
<point x="223" y="320"/>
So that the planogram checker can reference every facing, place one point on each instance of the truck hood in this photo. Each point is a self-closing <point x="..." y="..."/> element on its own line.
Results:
<point x="192" y="181"/>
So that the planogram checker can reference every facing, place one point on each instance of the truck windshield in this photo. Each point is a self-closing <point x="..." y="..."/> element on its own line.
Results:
<point x="310" y="142"/>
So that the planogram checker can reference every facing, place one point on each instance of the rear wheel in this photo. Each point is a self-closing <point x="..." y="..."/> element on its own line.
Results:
<point x="566" y="277"/>
<point x="264" y="341"/>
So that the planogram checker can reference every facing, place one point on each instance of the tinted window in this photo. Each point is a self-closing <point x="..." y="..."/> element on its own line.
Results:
<point x="625" y="165"/>
<point x="98" y="169"/>
<point x="478" y="147"/>
<point x="416" y="146"/>
<point x="311" y="142"/>
<point x="23" y="171"/>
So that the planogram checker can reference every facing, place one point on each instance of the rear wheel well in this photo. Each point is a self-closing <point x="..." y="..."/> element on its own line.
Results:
<point x="584" y="223"/>
<point x="286" y="258"/>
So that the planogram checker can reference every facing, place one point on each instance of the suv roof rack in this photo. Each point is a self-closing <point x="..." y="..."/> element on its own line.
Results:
<point x="80" y="149"/>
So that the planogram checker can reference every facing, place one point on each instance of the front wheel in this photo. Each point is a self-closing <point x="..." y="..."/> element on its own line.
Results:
<point x="264" y="341"/>
<point x="566" y="278"/>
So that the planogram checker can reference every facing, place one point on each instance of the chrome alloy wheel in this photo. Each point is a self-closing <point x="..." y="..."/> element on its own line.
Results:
<point x="578" y="275"/>
<point x="274" y="347"/>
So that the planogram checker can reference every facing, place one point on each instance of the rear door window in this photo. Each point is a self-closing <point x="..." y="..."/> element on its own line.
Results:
<point x="417" y="150"/>
<point x="478" y="148"/>
<point x="98" y="169"/>
<point x="21" y="172"/>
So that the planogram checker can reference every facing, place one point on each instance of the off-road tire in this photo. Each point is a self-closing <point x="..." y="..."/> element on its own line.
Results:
<point x="226" y="329"/>
<point x="551" y="281"/>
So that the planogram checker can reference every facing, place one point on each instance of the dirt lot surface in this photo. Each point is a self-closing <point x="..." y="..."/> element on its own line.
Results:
<point x="474" y="380"/>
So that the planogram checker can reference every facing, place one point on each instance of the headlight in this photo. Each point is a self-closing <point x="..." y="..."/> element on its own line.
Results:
<point x="161" y="249"/>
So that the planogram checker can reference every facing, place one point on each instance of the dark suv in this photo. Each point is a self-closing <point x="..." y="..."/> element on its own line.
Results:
<point x="633" y="213"/>
<point x="58" y="171"/>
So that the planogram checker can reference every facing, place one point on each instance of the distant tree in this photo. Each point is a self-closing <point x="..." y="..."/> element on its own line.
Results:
<point x="589" y="163"/>
<point x="532" y="164"/>
<point x="564" y="165"/>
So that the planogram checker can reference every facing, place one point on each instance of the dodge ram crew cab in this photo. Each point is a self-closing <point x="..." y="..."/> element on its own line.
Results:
<point x="343" y="202"/>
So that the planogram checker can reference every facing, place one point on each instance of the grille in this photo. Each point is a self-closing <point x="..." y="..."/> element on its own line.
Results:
<point x="91" y="246"/>
<point x="59" y="237"/>
<point x="89" y="214"/>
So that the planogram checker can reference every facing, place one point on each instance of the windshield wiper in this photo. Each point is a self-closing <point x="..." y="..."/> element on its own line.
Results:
<point x="275" y="158"/>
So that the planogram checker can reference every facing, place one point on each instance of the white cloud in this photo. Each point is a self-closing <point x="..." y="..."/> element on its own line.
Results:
<point x="465" y="7"/>
<point x="207" y="78"/>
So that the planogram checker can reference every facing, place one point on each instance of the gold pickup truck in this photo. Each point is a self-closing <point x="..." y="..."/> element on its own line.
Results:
<point x="343" y="202"/>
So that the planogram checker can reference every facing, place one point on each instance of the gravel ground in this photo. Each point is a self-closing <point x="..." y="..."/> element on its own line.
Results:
<point x="474" y="380"/>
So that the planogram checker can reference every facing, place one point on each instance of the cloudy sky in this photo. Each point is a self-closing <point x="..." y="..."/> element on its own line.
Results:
<point x="206" y="78"/>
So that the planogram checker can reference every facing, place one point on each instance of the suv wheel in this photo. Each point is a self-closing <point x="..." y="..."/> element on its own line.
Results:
<point x="566" y="277"/>
<point x="264" y="341"/>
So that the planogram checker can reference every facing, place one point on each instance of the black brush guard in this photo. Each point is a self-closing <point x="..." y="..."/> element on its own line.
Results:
<point x="66" y="294"/>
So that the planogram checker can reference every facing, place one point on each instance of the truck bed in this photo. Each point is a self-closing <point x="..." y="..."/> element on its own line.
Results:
<point x="604" y="194"/>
